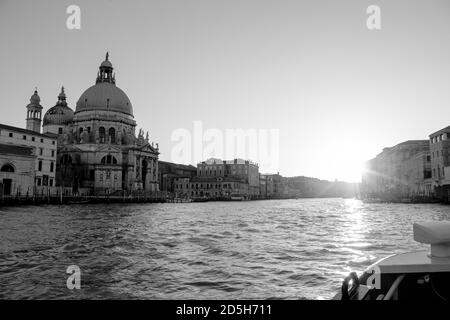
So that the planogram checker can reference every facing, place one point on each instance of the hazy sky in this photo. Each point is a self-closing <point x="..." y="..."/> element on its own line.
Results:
<point x="337" y="91"/>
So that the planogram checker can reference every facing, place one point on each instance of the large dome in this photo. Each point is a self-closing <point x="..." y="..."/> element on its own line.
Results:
<point x="104" y="96"/>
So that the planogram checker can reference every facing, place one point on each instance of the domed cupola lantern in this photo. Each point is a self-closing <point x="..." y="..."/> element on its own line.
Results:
<point x="105" y="73"/>
<point x="62" y="98"/>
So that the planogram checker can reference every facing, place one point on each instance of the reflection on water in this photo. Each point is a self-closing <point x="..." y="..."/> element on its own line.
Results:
<point x="289" y="249"/>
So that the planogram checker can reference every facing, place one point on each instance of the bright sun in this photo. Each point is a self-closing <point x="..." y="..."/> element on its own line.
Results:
<point x="351" y="172"/>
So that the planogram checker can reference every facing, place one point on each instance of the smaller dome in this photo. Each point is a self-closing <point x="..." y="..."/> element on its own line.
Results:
<point x="60" y="114"/>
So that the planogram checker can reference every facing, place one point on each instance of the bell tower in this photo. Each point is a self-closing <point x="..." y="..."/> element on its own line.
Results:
<point x="34" y="113"/>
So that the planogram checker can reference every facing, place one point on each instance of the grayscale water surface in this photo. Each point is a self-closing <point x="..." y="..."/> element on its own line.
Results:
<point x="287" y="249"/>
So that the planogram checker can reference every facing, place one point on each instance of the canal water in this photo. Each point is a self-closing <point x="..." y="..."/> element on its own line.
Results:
<point x="283" y="249"/>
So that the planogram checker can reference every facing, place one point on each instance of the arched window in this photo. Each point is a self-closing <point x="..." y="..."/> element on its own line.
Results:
<point x="102" y="134"/>
<point x="109" y="159"/>
<point x="112" y="135"/>
<point x="66" y="159"/>
<point x="7" y="168"/>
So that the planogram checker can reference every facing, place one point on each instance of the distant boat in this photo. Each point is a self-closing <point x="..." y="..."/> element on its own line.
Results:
<point x="236" y="197"/>
<point x="77" y="201"/>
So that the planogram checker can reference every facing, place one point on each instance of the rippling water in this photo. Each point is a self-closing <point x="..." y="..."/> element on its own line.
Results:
<point x="287" y="249"/>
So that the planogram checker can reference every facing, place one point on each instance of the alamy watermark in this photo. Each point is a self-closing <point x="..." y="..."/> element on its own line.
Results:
<point x="74" y="280"/>
<point x="74" y="19"/>
<point x="258" y="145"/>
<point x="373" y="21"/>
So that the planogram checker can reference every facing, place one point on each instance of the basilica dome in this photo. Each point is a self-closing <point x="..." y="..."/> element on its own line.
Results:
<point x="105" y="95"/>
<point x="60" y="114"/>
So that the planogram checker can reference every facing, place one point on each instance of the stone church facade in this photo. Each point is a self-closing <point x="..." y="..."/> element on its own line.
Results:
<point x="99" y="151"/>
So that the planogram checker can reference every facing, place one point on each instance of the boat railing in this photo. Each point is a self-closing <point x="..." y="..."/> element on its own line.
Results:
<point x="393" y="290"/>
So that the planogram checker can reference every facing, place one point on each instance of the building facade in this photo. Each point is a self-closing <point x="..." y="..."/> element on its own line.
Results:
<point x="168" y="172"/>
<point x="221" y="179"/>
<point x="99" y="151"/>
<point x="25" y="147"/>
<point x="17" y="170"/>
<point x="440" y="162"/>
<point x="238" y="169"/>
<point x="266" y="186"/>
<point x="402" y="171"/>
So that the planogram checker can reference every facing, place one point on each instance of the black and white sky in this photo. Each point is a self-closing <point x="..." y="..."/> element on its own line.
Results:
<point x="337" y="91"/>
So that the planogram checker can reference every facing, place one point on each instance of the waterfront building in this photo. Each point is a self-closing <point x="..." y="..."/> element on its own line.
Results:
<point x="168" y="172"/>
<point x="440" y="162"/>
<point x="17" y="170"/>
<point x="23" y="148"/>
<point x="266" y="186"/>
<point x="277" y="185"/>
<point x="238" y="169"/>
<point x="99" y="151"/>
<point x="262" y="186"/>
<point x="217" y="178"/>
<point x="401" y="171"/>
<point x="417" y="173"/>
<point x="220" y="187"/>
<point x="182" y="187"/>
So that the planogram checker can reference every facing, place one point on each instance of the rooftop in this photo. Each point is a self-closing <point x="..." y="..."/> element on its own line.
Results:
<point x="446" y="129"/>
<point x="212" y="161"/>
<point x="30" y="132"/>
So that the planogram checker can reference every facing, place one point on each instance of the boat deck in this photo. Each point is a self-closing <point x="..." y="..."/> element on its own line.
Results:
<point x="413" y="262"/>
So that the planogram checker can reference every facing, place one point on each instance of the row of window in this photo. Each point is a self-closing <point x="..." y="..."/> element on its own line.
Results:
<point x="25" y="137"/>
<point x="439" y="172"/>
<point x="41" y="152"/>
<point x="52" y="166"/>
<point x="214" y="172"/>
<point x="200" y="193"/>
<point x="207" y="185"/>
<point x="436" y="155"/>
<point x="102" y="133"/>
<point x="441" y="137"/>
<point x="34" y="114"/>
<point x="44" y="182"/>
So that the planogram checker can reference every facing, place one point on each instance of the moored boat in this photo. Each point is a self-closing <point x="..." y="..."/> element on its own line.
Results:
<point x="419" y="275"/>
<point x="200" y="199"/>
<point x="237" y="197"/>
